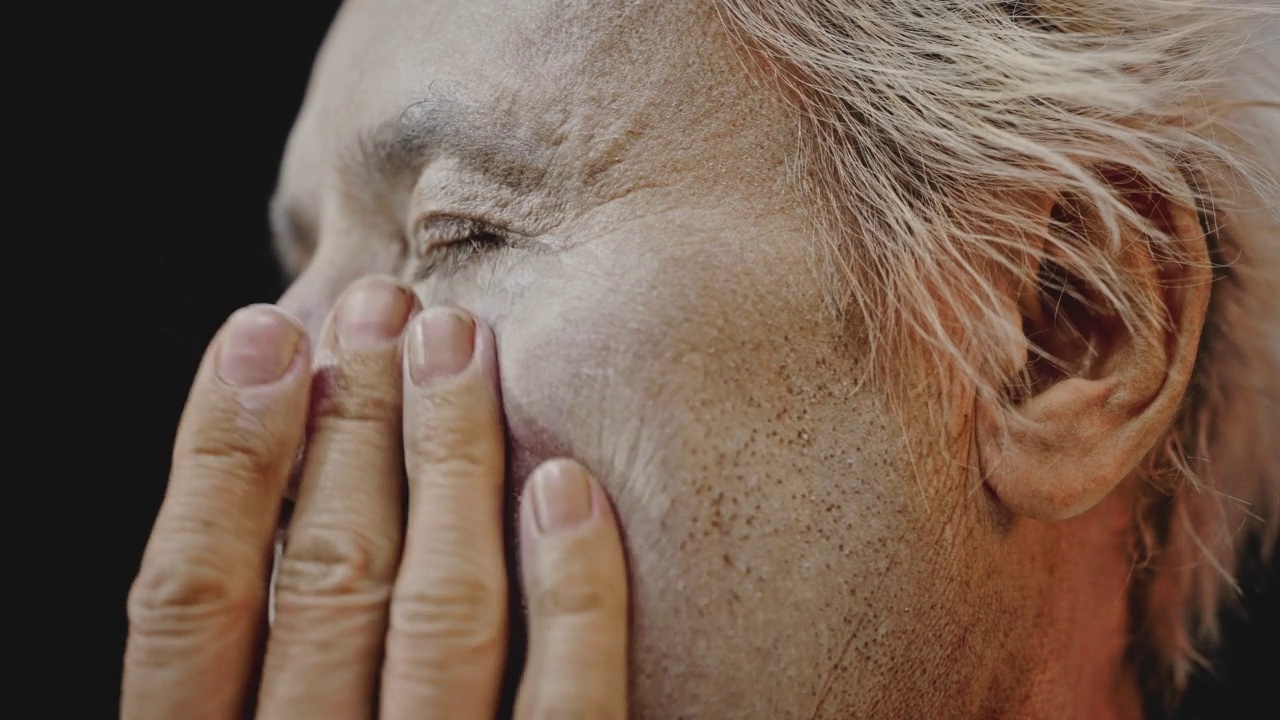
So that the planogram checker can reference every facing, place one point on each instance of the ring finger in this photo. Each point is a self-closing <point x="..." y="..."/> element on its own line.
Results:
<point x="447" y="631"/>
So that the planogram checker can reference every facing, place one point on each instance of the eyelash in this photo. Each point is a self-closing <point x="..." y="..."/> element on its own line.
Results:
<point x="444" y="245"/>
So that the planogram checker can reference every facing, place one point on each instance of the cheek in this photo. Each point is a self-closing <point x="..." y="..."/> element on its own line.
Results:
<point x="585" y="369"/>
<point x="606" y="354"/>
<point x="773" y="515"/>
<point x="759" y="490"/>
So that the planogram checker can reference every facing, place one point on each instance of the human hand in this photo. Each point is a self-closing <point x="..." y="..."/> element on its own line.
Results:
<point x="374" y="615"/>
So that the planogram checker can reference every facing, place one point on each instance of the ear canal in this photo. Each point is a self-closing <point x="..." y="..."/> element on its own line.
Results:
<point x="1105" y="373"/>
<point x="1071" y="328"/>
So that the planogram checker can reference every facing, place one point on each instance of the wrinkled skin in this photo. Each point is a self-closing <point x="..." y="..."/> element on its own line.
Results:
<point x="796" y="547"/>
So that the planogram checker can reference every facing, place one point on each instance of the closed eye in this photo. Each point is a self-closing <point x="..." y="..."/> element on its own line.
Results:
<point x="446" y="244"/>
<point x="293" y="235"/>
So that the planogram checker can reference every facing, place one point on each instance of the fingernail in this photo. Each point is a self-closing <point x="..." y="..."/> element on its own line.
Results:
<point x="372" y="314"/>
<point x="258" y="345"/>
<point x="561" y="497"/>
<point x="440" y="344"/>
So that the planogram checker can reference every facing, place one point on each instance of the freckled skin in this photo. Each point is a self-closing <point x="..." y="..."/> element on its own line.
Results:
<point x="798" y="547"/>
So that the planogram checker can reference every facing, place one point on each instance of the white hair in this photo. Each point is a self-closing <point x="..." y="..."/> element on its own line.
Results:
<point x="924" y="118"/>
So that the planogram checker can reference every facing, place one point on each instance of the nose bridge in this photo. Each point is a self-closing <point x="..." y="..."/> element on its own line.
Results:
<point x="309" y="298"/>
<point x="344" y="254"/>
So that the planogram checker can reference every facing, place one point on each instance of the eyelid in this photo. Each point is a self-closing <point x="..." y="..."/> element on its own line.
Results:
<point x="451" y="229"/>
<point x="457" y="240"/>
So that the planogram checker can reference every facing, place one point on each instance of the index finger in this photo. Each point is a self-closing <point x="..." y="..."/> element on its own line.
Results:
<point x="197" y="604"/>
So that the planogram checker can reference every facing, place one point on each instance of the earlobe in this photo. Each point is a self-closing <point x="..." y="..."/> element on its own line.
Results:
<point x="1097" y="392"/>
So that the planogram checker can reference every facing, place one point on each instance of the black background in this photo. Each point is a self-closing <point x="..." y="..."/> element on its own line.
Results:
<point x="147" y="147"/>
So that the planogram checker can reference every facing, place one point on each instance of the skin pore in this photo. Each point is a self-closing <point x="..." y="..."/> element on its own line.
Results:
<point x="605" y="184"/>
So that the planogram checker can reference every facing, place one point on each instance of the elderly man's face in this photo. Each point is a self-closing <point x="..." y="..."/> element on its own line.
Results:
<point x="606" y="184"/>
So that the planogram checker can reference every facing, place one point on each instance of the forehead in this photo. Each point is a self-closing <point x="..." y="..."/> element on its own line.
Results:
<point x="533" y="74"/>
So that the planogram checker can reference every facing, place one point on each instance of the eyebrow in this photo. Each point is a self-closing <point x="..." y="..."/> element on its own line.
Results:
<point x="443" y="126"/>
<point x="435" y="126"/>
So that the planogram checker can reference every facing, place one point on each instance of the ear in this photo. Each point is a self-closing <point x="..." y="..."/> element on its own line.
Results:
<point x="1097" y="393"/>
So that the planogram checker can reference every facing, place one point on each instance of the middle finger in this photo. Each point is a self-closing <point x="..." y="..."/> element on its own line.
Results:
<point x="339" y="559"/>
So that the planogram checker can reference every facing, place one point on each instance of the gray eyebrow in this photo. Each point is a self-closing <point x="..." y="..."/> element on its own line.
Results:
<point x="440" y="125"/>
<point x="498" y="147"/>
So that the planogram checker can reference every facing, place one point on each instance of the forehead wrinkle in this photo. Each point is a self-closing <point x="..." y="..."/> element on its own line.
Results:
<point x="439" y="126"/>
